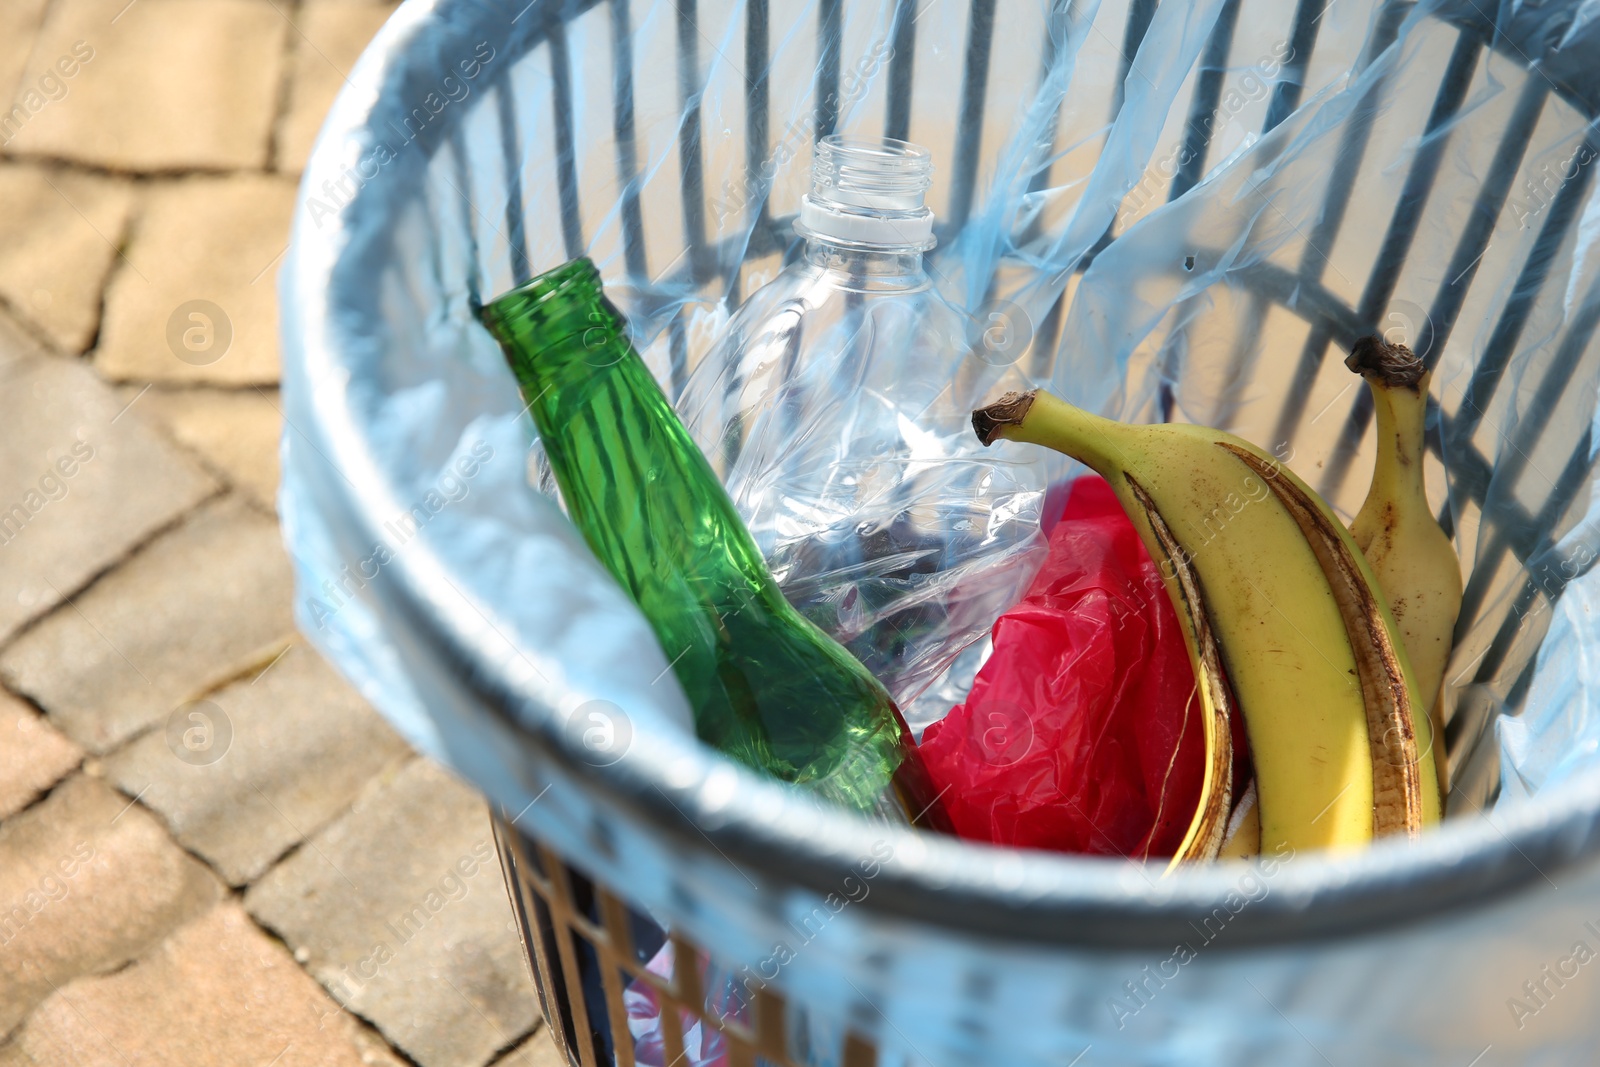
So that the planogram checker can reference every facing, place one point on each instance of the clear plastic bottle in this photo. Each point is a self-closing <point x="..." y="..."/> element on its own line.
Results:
<point x="832" y="413"/>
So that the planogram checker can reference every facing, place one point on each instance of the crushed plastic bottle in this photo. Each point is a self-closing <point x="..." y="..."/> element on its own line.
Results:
<point x="836" y="409"/>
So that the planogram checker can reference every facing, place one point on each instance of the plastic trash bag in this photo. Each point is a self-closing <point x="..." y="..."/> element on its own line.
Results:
<point x="1083" y="731"/>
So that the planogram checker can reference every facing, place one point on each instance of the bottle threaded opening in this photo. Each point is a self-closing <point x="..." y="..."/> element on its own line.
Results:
<point x="868" y="193"/>
<point x="878" y="173"/>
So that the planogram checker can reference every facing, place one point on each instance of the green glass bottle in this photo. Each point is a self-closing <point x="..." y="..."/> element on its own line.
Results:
<point x="767" y="687"/>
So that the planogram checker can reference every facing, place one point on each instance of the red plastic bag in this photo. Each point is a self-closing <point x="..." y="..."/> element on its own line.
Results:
<point x="1083" y="730"/>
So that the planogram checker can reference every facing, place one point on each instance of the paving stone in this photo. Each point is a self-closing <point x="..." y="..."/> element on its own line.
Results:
<point x="331" y="38"/>
<point x="58" y="529"/>
<point x="538" y="1051"/>
<point x="236" y="433"/>
<point x="89" y="882"/>
<point x="194" y="607"/>
<point x="197" y="300"/>
<point x="400" y="910"/>
<point x="156" y="85"/>
<point x="19" y="23"/>
<point x="275" y="757"/>
<point x="33" y="755"/>
<point x="60" y="231"/>
<point x="218" y="993"/>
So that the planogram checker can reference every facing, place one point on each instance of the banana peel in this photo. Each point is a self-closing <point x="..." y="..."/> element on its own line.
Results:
<point x="1412" y="558"/>
<point x="1283" y="618"/>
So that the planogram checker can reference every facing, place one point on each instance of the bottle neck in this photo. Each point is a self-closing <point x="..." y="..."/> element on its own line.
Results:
<point x="868" y="270"/>
<point x="615" y="444"/>
<point x="558" y="330"/>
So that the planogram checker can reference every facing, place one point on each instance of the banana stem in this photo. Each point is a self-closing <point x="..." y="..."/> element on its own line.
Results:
<point x="1399" y="382"/>
<point x="1088" y="438"/>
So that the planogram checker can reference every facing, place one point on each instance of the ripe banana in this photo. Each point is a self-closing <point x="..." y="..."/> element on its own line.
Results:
<point x="1414" y="561"/>
<point x="1280" y="613"/>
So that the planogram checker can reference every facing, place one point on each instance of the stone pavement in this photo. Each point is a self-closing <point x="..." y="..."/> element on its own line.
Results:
<point x="212" y="851"/>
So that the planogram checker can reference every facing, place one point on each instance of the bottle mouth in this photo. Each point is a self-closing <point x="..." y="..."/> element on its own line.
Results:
<point x="561" y="302"/>
<point x="868" y="193"/>
<point x="552" y="283"/>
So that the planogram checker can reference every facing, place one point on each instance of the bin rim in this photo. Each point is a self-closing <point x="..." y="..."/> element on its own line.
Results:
<point x="1039" y="899"/>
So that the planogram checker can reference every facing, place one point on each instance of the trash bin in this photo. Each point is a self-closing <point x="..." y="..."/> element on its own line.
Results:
<point x="1176" y="211"/>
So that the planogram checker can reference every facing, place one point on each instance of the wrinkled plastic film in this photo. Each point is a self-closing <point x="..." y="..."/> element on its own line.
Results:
<point x="828" y="411"/>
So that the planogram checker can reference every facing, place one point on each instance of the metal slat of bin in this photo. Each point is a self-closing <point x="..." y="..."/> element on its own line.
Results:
<point x="569" y="926"/>
<point x="1470" y="470"/>
<point x="691" y="165"/>
<point x="1203" y="105"/>
<point x="969" y="123"/>
<point x="513" y="878"/>
<point x="566" y="164"/>
<point x="1462" y="268"/>
<point x="1047" y="331"/>
<point x="1059" y="23"/>
<point x="622" y="129"/>
<point x="1468" y="736"/>
<point x="830" y="38"/>
<point x="1195" y="147"/>
<point x="757" y="124"/>
<point x="614" y="918"/>
<point x="511" y="160"/>
<point x="1292" y="80"/>
<point x="1058" y="27"/>
<point x="902" y="64"/>
<point x="1140" y="12"/>
<point x="531" y="893"/>
<point x="469" y="225"/>
<point x="764" y="236"/>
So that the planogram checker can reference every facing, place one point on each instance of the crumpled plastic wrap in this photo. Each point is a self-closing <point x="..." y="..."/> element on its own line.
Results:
<point x="833" y="418"/>
<point x="1083" y="731"/>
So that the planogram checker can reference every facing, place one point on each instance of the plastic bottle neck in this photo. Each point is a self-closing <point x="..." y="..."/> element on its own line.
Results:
<point x="866" y="270"/>
<point x="866" y="196"/>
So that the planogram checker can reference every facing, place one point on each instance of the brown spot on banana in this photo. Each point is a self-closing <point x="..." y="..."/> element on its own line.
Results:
<point x="1397" y="797"/>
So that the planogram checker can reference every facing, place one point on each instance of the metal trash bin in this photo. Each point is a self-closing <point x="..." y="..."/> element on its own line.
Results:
<point x="481" y="141"/>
